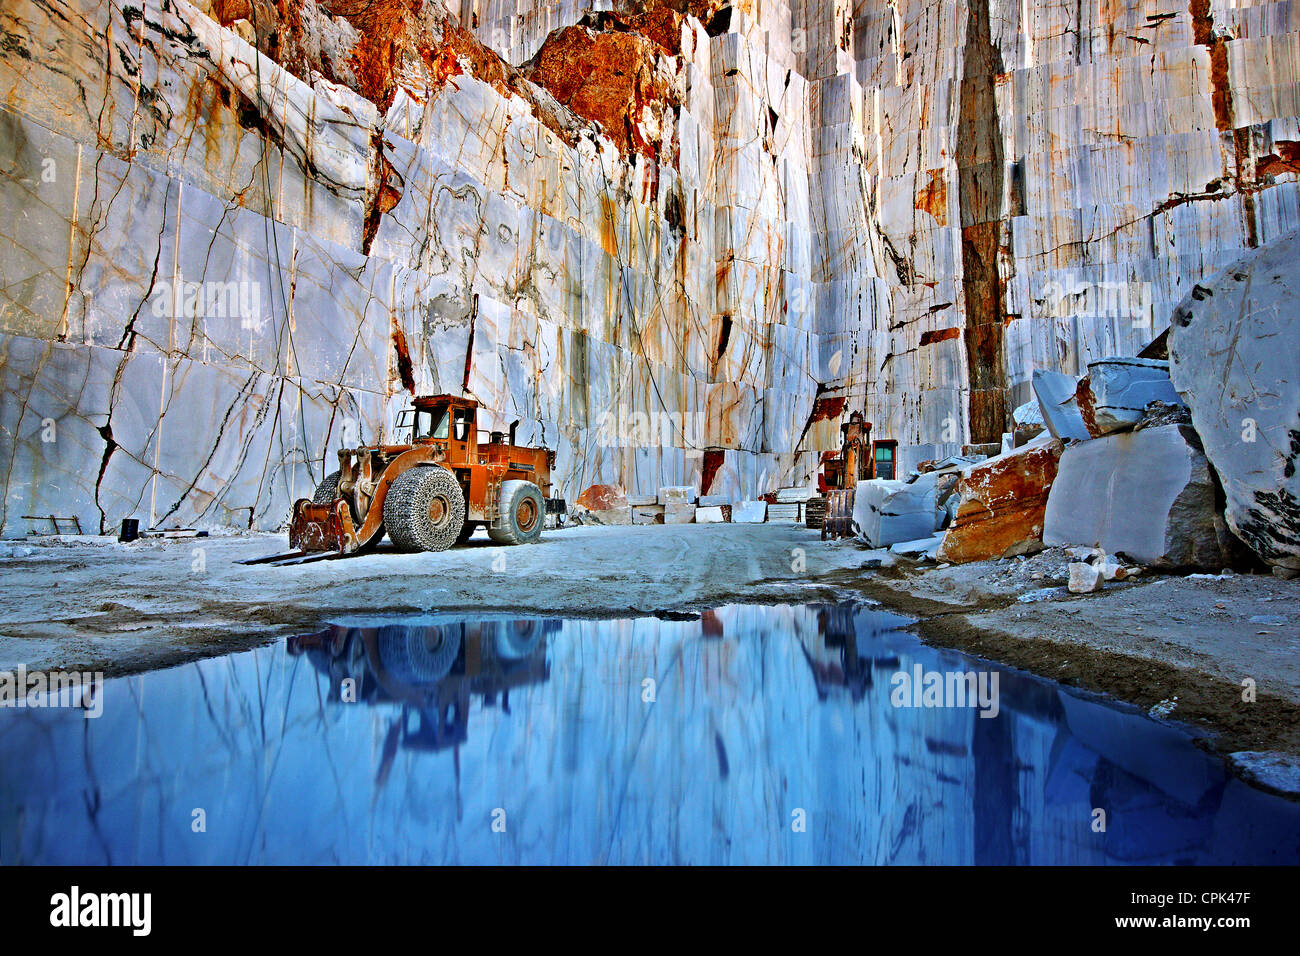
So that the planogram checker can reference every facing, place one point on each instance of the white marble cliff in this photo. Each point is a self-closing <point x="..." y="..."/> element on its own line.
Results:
<point x="674" y="238"/>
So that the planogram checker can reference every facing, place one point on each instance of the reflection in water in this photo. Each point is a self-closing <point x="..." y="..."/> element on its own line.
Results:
<point x="632" y="741"/>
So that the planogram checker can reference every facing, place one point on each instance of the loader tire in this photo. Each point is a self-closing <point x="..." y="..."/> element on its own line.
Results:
<point x="327" y="490"/>
<point x="521" y="512"/>
<point x="424" y="509"/>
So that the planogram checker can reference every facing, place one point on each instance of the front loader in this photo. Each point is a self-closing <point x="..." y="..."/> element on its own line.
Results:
<point x="429" y="494"/>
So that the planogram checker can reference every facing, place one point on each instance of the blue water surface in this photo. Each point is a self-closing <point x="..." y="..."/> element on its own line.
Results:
<point x="749" y="735"/>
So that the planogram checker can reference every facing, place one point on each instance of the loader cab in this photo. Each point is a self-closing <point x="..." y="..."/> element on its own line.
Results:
<point x="445" y="418"/>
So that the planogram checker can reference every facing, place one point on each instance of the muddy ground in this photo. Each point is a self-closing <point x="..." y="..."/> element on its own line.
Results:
<point x="1184" y="643"/>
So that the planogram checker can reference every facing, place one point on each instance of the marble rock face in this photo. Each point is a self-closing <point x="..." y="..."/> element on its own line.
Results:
<point x="655" y="233"/>
<point x="888" y="512"/>
<point x="1233" y="349"/>
<point x="1146" y="494"/>
<point x="1119" y="390"/>
<point x="1002" y="504"/>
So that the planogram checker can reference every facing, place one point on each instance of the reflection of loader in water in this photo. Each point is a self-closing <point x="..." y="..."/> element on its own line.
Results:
<point x="430" y="670"/>
<point x="835" y="659"/>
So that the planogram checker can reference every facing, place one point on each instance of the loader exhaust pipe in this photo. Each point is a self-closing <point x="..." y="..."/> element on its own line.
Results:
<point x="513" y="426"/>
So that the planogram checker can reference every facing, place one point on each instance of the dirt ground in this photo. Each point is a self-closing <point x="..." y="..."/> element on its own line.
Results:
<point x="1183" y="643"/>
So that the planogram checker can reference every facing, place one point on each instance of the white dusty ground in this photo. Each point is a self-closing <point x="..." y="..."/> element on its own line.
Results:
<point x="92" y="603"/>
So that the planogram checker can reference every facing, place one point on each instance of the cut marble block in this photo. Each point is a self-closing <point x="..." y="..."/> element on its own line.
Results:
<point x="749" y="512"/>
<point x="1147" y="495"/>
<point x="785" y="513"/>
<point x="1119" y="389"/>
<point x="888" y="512"/>
<point x="642" y="501"/>
<point x="647" y="514"/>
<point x="677" y="495"/>
<point x="708" y="515"/>
<point x="1057" y="404"/>
<point x="791" y="495"/>
<point x="679" y="512"/>
<point x="713" y="501"/>
<point x="1232" y="348"/>
<point x="1002" y="504"/>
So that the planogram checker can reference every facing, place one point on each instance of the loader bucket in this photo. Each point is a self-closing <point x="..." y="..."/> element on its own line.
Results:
<point x="322" y="527"/>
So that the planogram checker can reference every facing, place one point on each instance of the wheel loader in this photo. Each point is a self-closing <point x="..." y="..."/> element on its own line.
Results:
<point x="429" y="494"/>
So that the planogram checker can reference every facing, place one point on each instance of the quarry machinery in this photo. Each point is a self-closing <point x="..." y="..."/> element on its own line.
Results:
<point x="427" y="494"/>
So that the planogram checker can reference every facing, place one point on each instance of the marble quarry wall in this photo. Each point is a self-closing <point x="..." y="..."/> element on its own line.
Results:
<point x="675" y="239"/>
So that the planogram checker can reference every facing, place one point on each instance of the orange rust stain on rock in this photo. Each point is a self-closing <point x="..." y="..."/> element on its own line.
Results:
<point x="934" y="197"/>
<point x="713" y="459"/>
<point x="227" y="12"/>
<point x="608" y="78"/>
<point x="1285" y="160"/>
<point x="1087" y="403"/>
<point x="608" y="235"/>
<point x="825" y="409"/>
<point x="939" y="335"/>
<point x="405" y="370"/>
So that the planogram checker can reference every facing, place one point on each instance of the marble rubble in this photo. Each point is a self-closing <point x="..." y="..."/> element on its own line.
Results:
<point x="219" y="265"/>
<point x="1233" y="348"/>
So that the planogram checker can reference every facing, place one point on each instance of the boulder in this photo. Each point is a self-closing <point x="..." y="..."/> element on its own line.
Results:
<point x="1146" y="494"/>
<point x="749" y="512"/>
<point x="1001" y="504"/>
<point x="889" y="512"/>
<point x="1233" y="347"/>
<point x="603" y="498"/>
<point x="1055" y="394"/>
<point x="1118" y="390"/>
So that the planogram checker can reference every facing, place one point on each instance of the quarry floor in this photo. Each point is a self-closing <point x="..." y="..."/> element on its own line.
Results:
<point x="1187" y="642"/>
